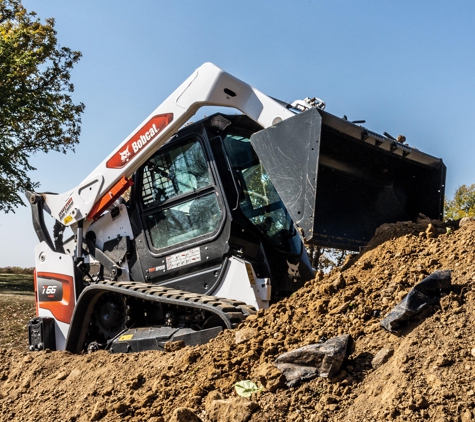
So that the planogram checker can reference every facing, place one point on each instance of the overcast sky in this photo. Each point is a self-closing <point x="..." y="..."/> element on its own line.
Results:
<point x="406" y="67"/>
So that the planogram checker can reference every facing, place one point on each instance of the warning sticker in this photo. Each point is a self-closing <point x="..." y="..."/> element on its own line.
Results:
<point x="126" y="337"/>
<point x="183" y="258"/>
<point x="250" y="274"/>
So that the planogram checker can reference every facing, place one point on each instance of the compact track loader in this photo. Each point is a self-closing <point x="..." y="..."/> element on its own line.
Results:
<point x="218" y="210"/>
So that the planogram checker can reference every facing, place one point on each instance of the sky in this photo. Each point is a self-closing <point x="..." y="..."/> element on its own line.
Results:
<point x="406" y="67"/>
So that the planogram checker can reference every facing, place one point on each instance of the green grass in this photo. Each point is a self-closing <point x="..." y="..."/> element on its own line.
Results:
<point x="17" y="306"/>
<point x="19" y="284"/>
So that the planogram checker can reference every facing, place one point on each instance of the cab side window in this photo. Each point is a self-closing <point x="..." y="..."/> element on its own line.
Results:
<point x="175" y="172"/>
<point x="178" y="195"/>
<point x="260" y="201"/>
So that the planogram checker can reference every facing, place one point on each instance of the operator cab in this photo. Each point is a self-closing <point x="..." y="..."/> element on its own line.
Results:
<point x="203" y="202"/>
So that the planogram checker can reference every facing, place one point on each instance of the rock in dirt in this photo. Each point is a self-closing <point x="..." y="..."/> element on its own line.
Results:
<point x="382" y="357"/>
<point x="307" y="362"/>
<point x="173" y="346"/>
<point x="465" y="220"/>
<point x="98" y="412"/>
<point x="340" y="282"/>
<point x="270" y="377"/>
<point x="182" y="414"/>
<point x="425" y="293"/>
<point x="62" y="376"/>
<point x="245" y="335"/>
<point x="231" y="410"/>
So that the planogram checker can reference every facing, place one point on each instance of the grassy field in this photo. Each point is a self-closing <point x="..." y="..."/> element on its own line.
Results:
<point x="16" y="283"/>
<point x="17" y="307"/>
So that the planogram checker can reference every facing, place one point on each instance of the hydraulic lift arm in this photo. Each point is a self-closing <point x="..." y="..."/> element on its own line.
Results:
<point x="208" y="85"/>
<point x="364" y="179"/>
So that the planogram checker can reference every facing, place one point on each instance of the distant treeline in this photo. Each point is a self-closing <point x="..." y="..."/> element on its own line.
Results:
<point x="16" y="270"/>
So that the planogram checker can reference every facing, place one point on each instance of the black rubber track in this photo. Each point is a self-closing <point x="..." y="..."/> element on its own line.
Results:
<point x="230" y="311"/>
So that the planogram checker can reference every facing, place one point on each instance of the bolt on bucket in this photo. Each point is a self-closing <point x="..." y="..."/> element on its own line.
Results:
<point x="340" y="181"/>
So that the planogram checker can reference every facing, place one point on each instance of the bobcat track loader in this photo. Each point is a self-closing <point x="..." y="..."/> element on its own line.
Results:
<point x="214" y="225"/>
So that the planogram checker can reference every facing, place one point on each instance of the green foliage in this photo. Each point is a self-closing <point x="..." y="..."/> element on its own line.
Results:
<point x="324" y="259"/>
<point x="246" y="388"/>
<point x="462" y="205"/>
<point x="16" y="270"/>
<point x="36" y="110"/>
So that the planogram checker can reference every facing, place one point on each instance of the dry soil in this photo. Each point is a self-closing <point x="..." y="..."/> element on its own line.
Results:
<point x="429" y="373"/>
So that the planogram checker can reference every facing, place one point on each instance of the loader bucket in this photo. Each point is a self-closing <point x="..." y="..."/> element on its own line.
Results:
<point x="340" y="181"/>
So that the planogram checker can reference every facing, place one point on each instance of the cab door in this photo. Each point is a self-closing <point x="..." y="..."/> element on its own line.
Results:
<point x="183" y="216"/>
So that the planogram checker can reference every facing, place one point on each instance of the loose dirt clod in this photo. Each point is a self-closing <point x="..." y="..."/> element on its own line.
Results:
<point x="425" y="372"/>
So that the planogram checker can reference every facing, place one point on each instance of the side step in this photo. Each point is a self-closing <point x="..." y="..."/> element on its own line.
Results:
<point x="155" y="338"/>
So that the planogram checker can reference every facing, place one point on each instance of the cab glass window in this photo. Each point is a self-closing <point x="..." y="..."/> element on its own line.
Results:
<point x="175" y="172"/>
<point x="260" y="202"/>
<point x="178" y="195"/>
<point x="185" y="221"/>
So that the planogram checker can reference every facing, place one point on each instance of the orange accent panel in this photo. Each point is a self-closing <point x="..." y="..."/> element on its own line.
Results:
<point x="108" y="199"/>
<point x="35" y="286"/>
<point x="61" y="310"/>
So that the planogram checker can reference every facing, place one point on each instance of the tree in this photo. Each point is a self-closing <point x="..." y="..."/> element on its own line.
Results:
<point x="463" y="204"/>
<point x="37" y="113"/>
<point x="325" y="259"/>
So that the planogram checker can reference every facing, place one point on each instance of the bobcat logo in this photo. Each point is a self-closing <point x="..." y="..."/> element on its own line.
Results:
<point x="124" y="156"/>
<point x="293" y="271"/>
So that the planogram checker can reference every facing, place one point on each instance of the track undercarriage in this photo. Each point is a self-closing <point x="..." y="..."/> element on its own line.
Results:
<point x="134" y="316"/>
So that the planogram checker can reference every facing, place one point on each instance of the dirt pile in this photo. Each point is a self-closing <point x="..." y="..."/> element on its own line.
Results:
<point x="425" y="372"/>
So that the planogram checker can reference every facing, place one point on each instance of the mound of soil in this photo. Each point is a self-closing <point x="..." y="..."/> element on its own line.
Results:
<point x="423" y="372"/>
